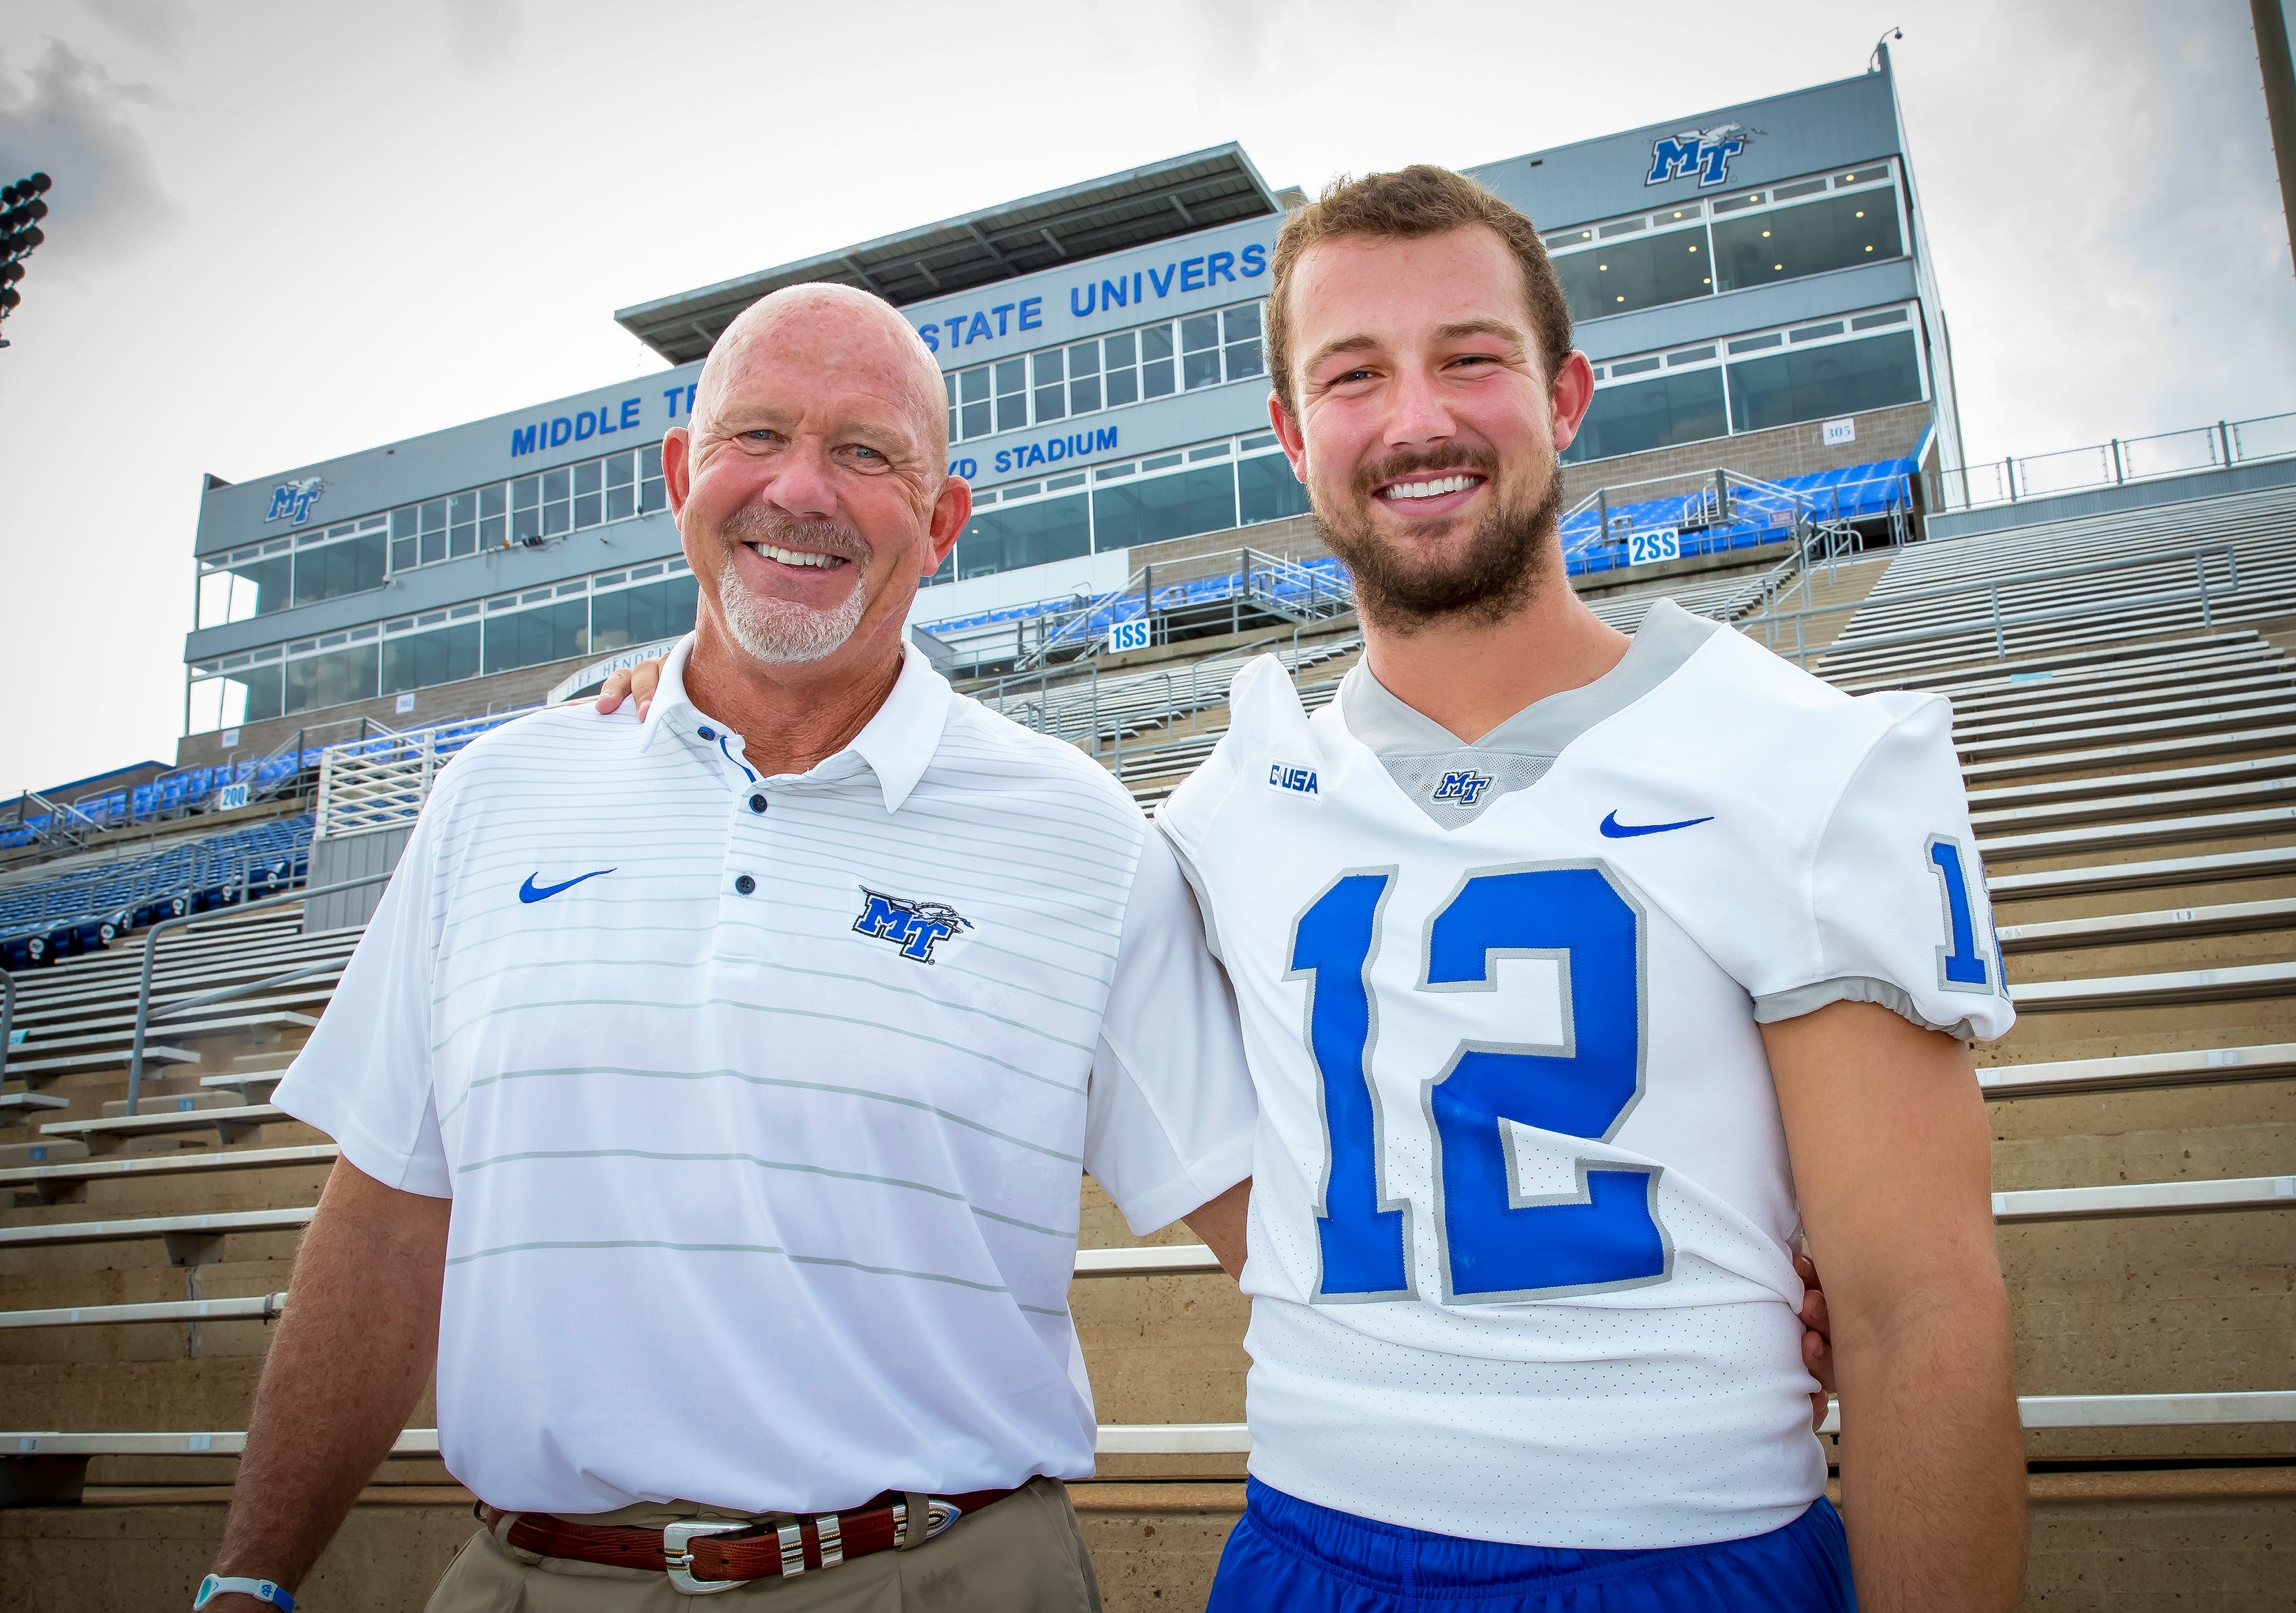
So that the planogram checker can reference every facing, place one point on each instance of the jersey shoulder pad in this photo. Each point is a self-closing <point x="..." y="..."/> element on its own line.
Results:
<point x="1263" y="708"/>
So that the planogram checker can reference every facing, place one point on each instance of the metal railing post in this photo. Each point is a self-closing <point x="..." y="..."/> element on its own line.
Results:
<point x="150" y="952"/>
<point x="7" y="1017"/>
<point x="2224" y="432"/>
<point x="2200" y="565"/>
<point x="2000" y="635"/>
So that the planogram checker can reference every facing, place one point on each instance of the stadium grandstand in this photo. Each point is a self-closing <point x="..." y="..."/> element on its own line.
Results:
<point x="2114" y="627"/>
<point x="2126" y="711"/>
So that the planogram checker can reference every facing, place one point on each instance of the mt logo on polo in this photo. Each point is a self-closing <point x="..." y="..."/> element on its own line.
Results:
<point x="916" y="928"/>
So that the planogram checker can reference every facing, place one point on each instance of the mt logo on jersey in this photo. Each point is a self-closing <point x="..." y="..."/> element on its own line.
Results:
<point x="1613" y="830"/>
<point x="1462" y="788"/>
<point x="916" y="928"/>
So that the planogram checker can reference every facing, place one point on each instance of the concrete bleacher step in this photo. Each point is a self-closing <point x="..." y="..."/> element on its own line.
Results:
<point x="246" y="1086"/>
<point x="65" y="1179"/>
<point x="2250" y="681"/>
<point x="2191" y="727"/>
<point x="2227" y="985"/>
<point x="152" y="1103"/>
<point x="189" y="1240"/>
<point x="118" y="1030"/>
<point x="47" y="1150"/>
<point x="2159" y="924"/>
<point x="18" y="1107"/>
<point x="2049" y="791"/>
<point x="2275" y="737"/>
<point x="230" y="1120"/>
<point x="1987" y="677"/>
<point x="2275" y="781"/>
<point x="2186" y="1067"/>
<point x="2207" y="868"/>
<point x="2156" y="831"/>
<point x="39" y="1072"/>
<point x="2252" y="664"/>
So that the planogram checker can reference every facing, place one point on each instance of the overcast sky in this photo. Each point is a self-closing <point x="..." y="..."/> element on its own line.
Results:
<point x="282" y="233"/>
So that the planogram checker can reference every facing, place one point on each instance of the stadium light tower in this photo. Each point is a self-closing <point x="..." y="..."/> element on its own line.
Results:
<point x="22" y="208"/>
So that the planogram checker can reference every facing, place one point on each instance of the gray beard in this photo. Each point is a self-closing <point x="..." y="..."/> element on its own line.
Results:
<point x="781" y="632"/>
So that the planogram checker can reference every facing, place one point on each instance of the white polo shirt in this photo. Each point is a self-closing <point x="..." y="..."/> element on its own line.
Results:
<point x="763" y="1101"/>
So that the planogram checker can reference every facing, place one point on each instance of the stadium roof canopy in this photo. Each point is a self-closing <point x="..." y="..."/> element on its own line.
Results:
<point x="1175" y="197"/>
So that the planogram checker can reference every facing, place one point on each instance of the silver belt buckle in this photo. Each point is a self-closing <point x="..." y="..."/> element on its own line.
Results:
<point x="680" y="1561"/>
<point x="938" y="1515"/>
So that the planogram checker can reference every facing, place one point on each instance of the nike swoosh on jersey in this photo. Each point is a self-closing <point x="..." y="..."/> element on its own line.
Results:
<point x="530" y="892"/>
<point x="1613" y="830"/>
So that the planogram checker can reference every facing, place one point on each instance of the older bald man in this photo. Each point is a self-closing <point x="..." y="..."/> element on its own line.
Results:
<point x="730" y="1179"/>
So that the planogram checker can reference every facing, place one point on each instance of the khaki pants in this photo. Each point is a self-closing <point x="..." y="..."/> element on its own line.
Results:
<point x="1022" y="1555"/>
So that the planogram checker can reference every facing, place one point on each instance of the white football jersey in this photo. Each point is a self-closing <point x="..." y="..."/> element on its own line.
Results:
<point x="1522" y="1215"/>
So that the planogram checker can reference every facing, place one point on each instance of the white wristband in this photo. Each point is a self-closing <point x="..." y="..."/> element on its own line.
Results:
<point x="262" y="1590"/>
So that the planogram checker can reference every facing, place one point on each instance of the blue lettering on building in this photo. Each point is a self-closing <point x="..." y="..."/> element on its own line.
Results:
<point x="966" y="468"/>
<point x="604" y="421"/>
<point x="1090" y="297"/>
<point x="1705" y="152"/>
<point x="1076" y="444"/>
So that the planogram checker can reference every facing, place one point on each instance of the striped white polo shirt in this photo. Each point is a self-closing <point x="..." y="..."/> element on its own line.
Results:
<point x="763" y="1101"/>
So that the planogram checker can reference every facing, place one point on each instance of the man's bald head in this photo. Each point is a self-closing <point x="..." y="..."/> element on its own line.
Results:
<point x="810" y="484"/>
<point x="823" y="319"/>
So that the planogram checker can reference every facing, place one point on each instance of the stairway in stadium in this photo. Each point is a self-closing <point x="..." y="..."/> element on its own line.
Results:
<point x="2132" y="763"/>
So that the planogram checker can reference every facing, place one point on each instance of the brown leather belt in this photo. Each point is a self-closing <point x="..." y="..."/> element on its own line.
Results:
<point x="705" y="1555"/>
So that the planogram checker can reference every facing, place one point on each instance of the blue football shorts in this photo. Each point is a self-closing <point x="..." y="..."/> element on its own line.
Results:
<point x="1291" y="1556"/>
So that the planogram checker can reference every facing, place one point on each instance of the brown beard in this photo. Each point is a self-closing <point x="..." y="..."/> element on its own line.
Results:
<point x="1502" y="561"/>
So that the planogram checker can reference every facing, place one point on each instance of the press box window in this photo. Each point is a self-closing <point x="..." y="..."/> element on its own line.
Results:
<point x="624" y="617"/>
<point x="417" y="661"/>
<point x="246" y="583"/>
<point x="1822" y="382"/>
<point x="1787" y="243"/>
<point x="1024" y="535"/>
<point x="527" y="638"/>
<point x="331" y="679"/>
<point x="1644" y="414"/>
<point x="1266" y="490"/>
<point x="351" y="565"/>
<point x="1619" y="277"/>
<point x="1152" y="508"/>
<point x="249" y="695"/>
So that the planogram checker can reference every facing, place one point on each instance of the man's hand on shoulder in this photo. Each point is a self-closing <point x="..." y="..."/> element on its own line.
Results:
<point x="638" y="682"/>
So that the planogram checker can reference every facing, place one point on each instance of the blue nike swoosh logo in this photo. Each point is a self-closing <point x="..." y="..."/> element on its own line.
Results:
<point x="530" y="892"/>
<point x="1613" y="830"/>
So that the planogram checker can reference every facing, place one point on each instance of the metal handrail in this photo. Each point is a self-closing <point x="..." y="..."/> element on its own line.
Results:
<point x="151" y="951"/>
<point x="209" y="999"/>
<point x="1999" y="621"/>
<point x="2224" y="443"/>
<point x="7" y="1017"/>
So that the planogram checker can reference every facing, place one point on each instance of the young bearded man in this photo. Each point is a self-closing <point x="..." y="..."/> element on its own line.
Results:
<point x="1591" y="972"/>
<point x="1588" y="974"/>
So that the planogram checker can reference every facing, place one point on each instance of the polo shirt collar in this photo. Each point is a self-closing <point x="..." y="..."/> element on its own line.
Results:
<point x="896" y="743"/>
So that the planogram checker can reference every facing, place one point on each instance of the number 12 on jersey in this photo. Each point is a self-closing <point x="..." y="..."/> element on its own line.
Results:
<point x="1496" y="1243"/>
